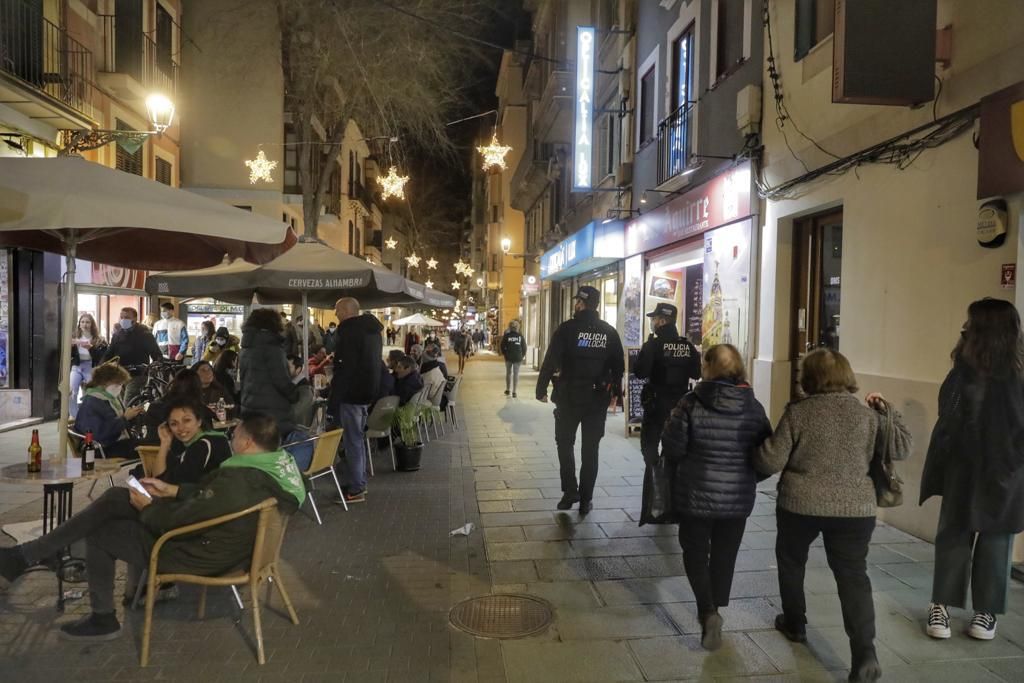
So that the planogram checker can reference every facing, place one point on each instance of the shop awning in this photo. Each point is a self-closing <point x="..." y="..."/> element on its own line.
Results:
<point x="599" y="243"/>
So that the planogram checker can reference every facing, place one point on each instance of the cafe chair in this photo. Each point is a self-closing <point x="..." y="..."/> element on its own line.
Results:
<point x="322" y="465"/>
<point x="266" y="552"/>
<point x="378" y="426"/>
<point x="453" y="395"/>
<point x="147" y="454"/>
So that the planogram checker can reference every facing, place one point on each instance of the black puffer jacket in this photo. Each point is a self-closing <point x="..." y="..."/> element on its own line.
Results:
<point x="357" y="357"/>
<point x="267" y="385"/>
<point x="710" y="437"/>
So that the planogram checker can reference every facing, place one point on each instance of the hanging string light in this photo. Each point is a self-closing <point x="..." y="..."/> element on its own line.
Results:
<point x="432" y="264"/>
<point x="413" y="260"/>
<point x="391" y="243"/>
<point x="494" y="154"/>
<point x="260" y="168"/>
<point x="393" y="185"/>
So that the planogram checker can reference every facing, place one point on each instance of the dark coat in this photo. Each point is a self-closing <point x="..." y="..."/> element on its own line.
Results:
<point x="99" y="417"/>
<point x="513" y="346"/>
<point x="267" y="385"/>
<point x="710" y="438"/>
<point x="189" y="464"/>
<point x="975" y="457"/>
<point x="407" y="387"/>
<point x="586" y="352"/>
<point x="357" y="360"/>
<point x="135" y="346"/>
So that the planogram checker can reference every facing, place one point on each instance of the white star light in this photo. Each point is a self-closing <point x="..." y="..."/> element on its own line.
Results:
<point x="393" y="185"/>
<point x="414" y="260"/>
<point x="260" y="168"/>
<point x="494" y="154"/>
<point x="391" y="243"/>
<point x="461" y="266"/>
<point x="429" y="284"/>
<point x="432" y="264"/>
<point x="468" y="272"/>
<point x="455" y="285"/>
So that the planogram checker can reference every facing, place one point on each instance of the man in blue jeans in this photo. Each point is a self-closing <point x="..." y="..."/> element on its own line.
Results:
<point x="357" y="357"/>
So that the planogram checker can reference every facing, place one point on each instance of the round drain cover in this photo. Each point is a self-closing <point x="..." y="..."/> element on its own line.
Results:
<point x="508" y="615"/>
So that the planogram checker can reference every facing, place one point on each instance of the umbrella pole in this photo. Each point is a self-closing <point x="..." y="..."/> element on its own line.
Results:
<point x="305" y="333"/>
<point x="70" y="304"/>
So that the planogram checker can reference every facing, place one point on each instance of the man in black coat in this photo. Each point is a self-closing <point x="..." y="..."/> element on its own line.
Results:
<point x="669" y="362"/>
<point x="354" y="386"/>
<point x="133" y="345"/>
<point x="587" y="354"/>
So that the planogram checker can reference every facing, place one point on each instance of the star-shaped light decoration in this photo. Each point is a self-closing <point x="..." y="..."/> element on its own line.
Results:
<point x="393" y="185"/>
<point x="432" y="264"/>
<point x="260" y="168"/>
<point x="413" y="260"/>
<point x="428" y="284"/>
<point x="456" y="285"/>
<point x="391" y="243"/>
<point x="494" y="154"/>
<point x="461" y="266"/>
<point x="468" y="272"/>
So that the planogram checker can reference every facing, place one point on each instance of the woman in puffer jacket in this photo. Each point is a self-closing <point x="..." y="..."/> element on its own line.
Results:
<point x="710" y="439"/>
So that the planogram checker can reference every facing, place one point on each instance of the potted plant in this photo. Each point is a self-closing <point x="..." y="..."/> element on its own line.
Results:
<point x="409" y="449"/>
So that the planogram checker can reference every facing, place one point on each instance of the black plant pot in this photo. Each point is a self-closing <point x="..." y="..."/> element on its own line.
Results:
<point x="408" y="457"/>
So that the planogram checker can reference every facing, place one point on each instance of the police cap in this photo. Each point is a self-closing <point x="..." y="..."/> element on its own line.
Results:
<point x="588" y="295"/>
<point x="664" y="311"/>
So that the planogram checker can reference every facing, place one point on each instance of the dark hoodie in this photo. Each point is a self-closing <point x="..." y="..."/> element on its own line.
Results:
<point x="357" y="355"/>
<point x="710" y="438"/>
<point x="267" y="385"/>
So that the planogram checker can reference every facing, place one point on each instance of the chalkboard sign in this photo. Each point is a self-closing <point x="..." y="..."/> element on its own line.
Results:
<point x="693" y="304"/>
<point x="635" y="385"/>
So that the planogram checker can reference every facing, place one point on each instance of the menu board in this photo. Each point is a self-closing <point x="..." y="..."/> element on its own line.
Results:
<point x="693" y="304"/>
<point x="634" y="387"/>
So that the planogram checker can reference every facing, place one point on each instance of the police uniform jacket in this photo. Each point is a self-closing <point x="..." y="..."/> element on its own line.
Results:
<point x="669" y="362"/>
<point x="586" y="352"/>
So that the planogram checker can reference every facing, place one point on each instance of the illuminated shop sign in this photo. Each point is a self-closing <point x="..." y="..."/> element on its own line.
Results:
<point x="583" y="138"/>
<point x="595" y="245"/>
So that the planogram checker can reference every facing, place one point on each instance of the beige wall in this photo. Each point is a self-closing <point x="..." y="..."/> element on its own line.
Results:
<point x="911" y="263"/>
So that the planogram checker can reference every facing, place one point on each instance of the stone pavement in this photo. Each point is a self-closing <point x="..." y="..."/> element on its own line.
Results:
<point x="373" y="586"/>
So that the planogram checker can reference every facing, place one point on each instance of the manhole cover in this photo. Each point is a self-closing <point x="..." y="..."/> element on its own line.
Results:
<point x="502" y="615"/>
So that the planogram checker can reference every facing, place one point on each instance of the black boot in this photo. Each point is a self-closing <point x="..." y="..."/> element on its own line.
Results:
<point x="585" y="507"/>
<point x="93" y="628"/>
<point x="793" y="631"/>
<point x="865" y="668"/>
<point x="711" y="631"/>
<point x="568" y="500"/>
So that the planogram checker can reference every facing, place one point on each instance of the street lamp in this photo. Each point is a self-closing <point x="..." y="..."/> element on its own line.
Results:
<point x="506" y="244"/>
<point x="160" y="110"/>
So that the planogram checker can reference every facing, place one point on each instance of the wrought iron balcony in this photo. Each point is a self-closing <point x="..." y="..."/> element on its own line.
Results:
<point x="135" y="54"/>
<point x="674" y="148"/>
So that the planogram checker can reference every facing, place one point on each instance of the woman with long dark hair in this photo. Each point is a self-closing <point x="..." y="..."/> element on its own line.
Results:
<point x="87" y="349"/>
<point x="266" y="383"/>
<point x="976" y="463"/>
<point x="203" y="341"/>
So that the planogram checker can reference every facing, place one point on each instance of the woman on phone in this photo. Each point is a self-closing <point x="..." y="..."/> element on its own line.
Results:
<point x="87" y="352"/>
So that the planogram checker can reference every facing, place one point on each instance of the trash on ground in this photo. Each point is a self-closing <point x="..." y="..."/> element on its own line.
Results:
<point x="464" y="530"/>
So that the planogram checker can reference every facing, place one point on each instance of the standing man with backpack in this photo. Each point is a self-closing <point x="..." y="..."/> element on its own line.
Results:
<point x="513" y="348"/>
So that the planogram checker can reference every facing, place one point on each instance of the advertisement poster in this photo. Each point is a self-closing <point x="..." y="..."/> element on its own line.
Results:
<point x="727" y="286"/>
<point x="693" y="304"/>
<point x="632" y="302"/>
<point x="663" y="287"/>
<point x="634" y="386"/>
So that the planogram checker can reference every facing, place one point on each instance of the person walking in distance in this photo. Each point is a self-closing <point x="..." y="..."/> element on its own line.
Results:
<point x="513" y="348"/>
<point x="668" y="362"/>
<point x="975" y="462"/>
<point x="587" y="354"/>
<point x="354" y="387"/>
<point x="710" y="438"/>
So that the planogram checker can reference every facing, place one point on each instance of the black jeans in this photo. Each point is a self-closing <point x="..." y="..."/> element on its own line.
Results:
<point x="846" y="547"/>
<point x="709" y="556"/>
<point x="656" y="412"/>
<point x="587" y="410"/>
<point x="964" y="558"/>
<point x="111" y="528"/>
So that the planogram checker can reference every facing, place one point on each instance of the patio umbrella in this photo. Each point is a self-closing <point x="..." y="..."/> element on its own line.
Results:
<point x="419" y="319"/>
<point x="70" y="206"/>
<point x="228" y="281"/>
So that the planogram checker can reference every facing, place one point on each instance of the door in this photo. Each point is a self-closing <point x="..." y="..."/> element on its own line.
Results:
<point x="817" y="283"/>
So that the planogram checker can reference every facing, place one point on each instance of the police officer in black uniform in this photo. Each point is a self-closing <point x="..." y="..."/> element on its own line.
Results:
<point x="587" y="354"/>
<point x="668" y="362"/>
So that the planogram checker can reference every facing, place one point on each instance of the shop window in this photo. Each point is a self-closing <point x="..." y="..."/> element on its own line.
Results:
<point x="129" y="162"/>
<point x="647" y="106"/>
<point x="815" y="21"/>
<point x="729" y="38"/>
<point x="164" y="171"/>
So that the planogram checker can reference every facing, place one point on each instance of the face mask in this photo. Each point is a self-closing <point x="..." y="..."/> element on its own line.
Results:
<point x="220" y="341"/>
<point x="114" y="389"/>
<point x="166" y="315"/>
<point x="332" y="328"/>
<point x="126" y="323"/>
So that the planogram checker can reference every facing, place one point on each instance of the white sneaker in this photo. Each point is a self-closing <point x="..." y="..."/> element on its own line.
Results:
<point x="938" y="622"/>
<point x="983" y="626"/>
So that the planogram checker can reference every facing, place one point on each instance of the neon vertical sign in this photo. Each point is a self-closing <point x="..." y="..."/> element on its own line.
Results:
<point x="583" y="135"/>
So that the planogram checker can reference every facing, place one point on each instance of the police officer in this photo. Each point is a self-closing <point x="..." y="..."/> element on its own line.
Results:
<point x="587" y="354"/>
<point x="668" y="361"/>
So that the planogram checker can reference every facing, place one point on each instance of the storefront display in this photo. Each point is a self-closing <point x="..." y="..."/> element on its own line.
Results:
<point x="220" y="314"/>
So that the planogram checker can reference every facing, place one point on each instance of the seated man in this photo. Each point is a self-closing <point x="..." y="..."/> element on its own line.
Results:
<point x="433" y="358"/>
<point x="407" y="380"/>
<point x="258" y="470"/>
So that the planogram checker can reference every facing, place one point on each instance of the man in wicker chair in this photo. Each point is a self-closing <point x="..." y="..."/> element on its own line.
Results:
<point x="258" y="470"/>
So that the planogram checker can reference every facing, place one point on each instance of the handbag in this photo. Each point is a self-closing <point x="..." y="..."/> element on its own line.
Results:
<point x="656" y="500"/>
<point x="888" y="483"/>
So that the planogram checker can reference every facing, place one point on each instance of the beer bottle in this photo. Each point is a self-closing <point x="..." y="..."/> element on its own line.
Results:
<point x="88" y="454"/>
<point x="35" y="453"/>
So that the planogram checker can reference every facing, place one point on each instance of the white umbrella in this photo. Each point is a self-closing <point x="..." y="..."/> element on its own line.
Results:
<point x="70" y="206"/>
<point x="419" y="319"/>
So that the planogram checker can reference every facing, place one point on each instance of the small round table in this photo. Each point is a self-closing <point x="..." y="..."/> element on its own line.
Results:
<point x="57" y="490"/>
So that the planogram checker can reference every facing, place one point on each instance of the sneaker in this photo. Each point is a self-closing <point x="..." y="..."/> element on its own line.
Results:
<point x="12" y="564"/>
<point x="711" y="632"/>
<point x="355" y="497"/>
<point x="94" y="628"/>
<point x="938" y="622"/>
<point x="568" y="500"/>
<point x="795" y="633"/>
<point x="983" y="626"/>
<point x="865" y="668"/>
<point x="585" y="507"/>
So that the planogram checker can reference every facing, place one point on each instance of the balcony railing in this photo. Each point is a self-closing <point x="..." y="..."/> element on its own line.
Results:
<point x="44" y="56"/>
<point x="138" y="57"/>
<point x="674" y="142"/>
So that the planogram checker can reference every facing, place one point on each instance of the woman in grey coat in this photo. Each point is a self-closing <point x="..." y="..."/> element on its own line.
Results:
<point x="824" y="446"/>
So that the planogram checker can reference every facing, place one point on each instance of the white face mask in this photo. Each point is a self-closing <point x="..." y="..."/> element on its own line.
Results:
<point x="166" y="315"/>
<point x="114" y="389"/>
<point x="126" y="323"/>
<point x="220" y="341"/>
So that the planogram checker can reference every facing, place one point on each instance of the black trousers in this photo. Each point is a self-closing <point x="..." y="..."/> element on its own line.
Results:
<point x="586" y="410"/>
<point x="709" y="556"/>
<point x="846" y="547"/>
<point x="656" y="412"/>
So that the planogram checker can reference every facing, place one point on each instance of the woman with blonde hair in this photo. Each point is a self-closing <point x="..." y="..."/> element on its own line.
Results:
<point x="710" y="439"/>
<point x="103" y="414"/>
<point x="87" y="349"/>
<point x="824" y="445"/>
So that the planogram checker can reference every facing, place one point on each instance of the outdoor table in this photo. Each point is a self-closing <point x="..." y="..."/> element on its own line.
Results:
<point x="57" y="490"/>
<point x="225" y="425"/>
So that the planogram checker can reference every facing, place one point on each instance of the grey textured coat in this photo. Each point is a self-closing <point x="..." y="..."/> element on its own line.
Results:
<point x="823" y="446"/>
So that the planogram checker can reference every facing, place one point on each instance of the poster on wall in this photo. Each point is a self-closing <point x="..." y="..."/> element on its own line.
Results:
<point x="663" y="287"/>
<point x="634" y="386"/>
<point x="726" y="286"/>
<point x="693" y="303"/>
<point x="632" y="302"/>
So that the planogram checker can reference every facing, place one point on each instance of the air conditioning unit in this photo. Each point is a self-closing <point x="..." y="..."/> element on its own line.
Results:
<point x="624" y="174"/>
